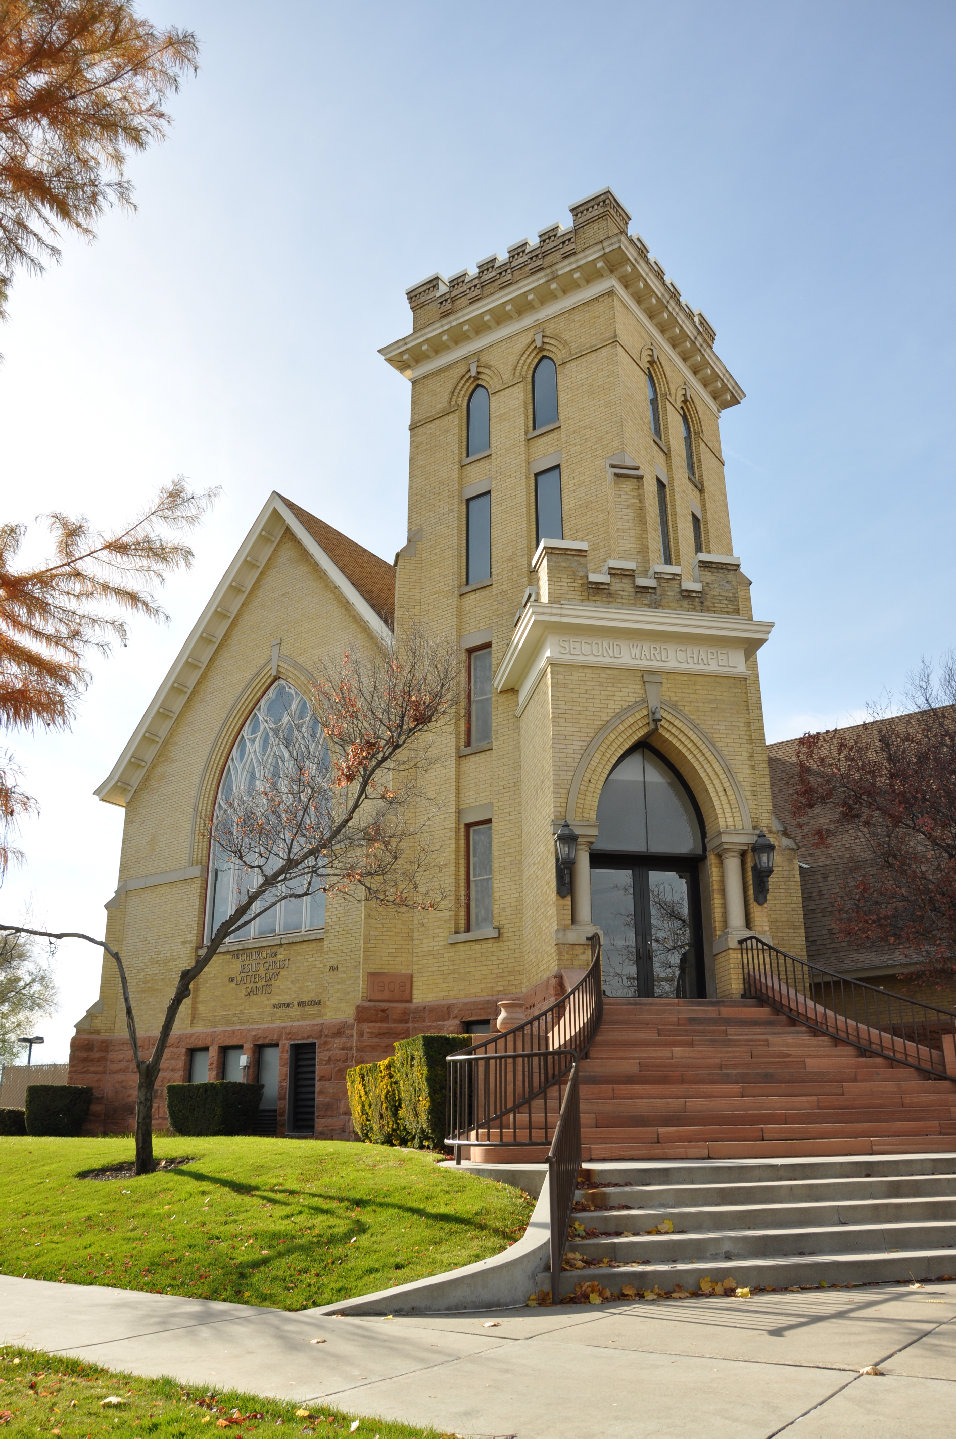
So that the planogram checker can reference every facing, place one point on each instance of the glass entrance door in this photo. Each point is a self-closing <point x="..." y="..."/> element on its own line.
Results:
<point x="649" y="913"/>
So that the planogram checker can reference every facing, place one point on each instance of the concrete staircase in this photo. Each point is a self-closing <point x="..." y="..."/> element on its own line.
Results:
<point x="767" y="1223"/>
<point x="674" y="1079"/>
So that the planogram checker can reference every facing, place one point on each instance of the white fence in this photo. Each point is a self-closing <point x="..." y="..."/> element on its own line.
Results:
<point x="14" y="1079"/>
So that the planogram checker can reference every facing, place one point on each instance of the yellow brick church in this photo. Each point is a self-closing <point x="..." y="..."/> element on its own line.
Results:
<point x="568" y="526"/>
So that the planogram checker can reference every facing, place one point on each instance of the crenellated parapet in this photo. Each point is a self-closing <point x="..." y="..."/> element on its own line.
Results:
<point x="564" y="576"/>
<point x="472" y="307"/>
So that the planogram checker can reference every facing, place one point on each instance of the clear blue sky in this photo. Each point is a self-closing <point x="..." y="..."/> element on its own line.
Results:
<point x="791" y="167"/>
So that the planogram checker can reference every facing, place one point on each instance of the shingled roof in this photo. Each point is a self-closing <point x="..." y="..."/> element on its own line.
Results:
<point x="374" y="578"/>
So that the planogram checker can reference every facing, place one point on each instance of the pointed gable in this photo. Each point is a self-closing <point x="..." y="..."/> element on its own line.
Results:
<point x="365" y="581"/>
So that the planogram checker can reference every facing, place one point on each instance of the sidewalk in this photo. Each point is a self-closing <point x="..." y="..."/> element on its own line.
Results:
<point x="729" y="1368"/>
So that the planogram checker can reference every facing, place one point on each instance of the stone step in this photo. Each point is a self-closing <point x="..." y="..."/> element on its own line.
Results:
<point x="605" y="1150"/>
<point x="812" y="1271"/>
<point x="907" y="1093"/>
<point x="798" y="1241"/>
<point x="624" y="1114"/>
<point x="912" y="1165"/>
<point x="761" y="1129"/>
<point x="618" y="1225"/>
<point x="617" y="1202"/>
<point x="802" y="1070"/>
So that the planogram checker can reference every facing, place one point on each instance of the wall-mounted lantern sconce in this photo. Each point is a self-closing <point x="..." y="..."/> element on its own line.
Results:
<point x="763" y="851"/>
<point x="566" y="848"/>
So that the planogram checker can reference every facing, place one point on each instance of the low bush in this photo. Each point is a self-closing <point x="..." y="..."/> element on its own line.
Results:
<point x="58" y="1109"/>
<point x="222" y="1106"/>
<point x="423" y="1084"/>
<point x="13" y="1121"/>
<point x="375" y="1102"/>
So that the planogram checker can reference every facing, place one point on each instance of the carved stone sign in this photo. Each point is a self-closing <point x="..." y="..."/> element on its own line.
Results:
<point x="722" y="659"/>
<point x="390" y="988"/>
<point x="257" y="970"/>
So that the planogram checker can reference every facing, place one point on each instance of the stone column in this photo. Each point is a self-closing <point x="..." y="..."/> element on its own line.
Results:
<point x="732" y="847"/>
<point x="581" y="882"/>
<point x="733" y="887"/>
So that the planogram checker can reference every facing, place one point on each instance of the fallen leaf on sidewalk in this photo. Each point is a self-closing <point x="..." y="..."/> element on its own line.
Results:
<point x="318" y="1341"/>
<point x="871" y="1369"/>
<point x="491" y="1324"/>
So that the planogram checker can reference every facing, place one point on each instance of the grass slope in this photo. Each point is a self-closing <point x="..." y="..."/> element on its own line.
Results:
<point x="50" y="1394"/>
<point x="285" y="1223"/>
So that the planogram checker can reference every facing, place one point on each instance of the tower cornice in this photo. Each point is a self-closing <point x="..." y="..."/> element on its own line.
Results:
<point x="455" y="318"/>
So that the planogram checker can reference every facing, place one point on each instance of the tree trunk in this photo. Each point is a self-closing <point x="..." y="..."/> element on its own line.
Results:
<point x="144" y="1122"/>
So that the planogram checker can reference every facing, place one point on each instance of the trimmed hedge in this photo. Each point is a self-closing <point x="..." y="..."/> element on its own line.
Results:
<point x="423" y="1084"/>
<point x="375" y="1102"/>
<point x="13" y="1121"/>
<point x="58" y="1109"/>
<point x="221" y="1106"/>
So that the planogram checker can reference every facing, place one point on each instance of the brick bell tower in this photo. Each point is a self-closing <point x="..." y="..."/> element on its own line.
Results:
<point x="568" y="524"/>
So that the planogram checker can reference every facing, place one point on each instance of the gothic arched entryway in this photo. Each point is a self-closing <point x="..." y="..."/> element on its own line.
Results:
<point x="645" y="884"/>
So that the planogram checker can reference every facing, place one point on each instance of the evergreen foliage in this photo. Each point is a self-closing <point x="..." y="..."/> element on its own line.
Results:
<point x="401" y="1100"/>
<point x="223" y="1106"/>
<point x="57" y="1109"/>
<point x="13" y="1121"/>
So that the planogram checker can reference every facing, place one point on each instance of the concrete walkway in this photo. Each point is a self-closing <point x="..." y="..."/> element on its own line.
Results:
<point x="728" y="1368"/>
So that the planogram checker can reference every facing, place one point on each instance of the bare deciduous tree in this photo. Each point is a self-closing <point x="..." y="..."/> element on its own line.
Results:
<point x="340" y="808"/>
<point x="889" y="785"/>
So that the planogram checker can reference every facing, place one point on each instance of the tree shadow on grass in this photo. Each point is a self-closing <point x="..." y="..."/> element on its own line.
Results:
<point x="286" y="1198"/>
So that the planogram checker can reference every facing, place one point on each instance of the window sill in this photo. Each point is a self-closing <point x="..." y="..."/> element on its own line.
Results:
<point x="475" y="585"/>
<point x="696" y="482"/>
<point x="473" y="934"/>
<point x="475" y="748"/>
<point x="658" y="442"/>
<point x="470" y="459"/>
<point x="543" y="429"/>
<point x="265" y="941"/>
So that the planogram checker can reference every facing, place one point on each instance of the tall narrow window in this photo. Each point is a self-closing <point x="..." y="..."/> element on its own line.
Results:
<point x="655" y="407"/>
<point x="198" y="1066"/>
<point x="479" y="421"/>
<point x="478" y="730"/>
<point x="665" y="527"/>
<point x="280" y="737"/>
<point x="547" y="499"/>
<point x="698" y="534"/>
<point x="688" y="445"/>
<point x="231" y="1062"/>
<point x="478" y="538"/>
<point x="544" y="393"/>
<point x="478" y="839"/>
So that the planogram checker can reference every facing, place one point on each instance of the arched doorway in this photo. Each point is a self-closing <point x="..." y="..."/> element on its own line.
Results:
<point x="645" y="881"/>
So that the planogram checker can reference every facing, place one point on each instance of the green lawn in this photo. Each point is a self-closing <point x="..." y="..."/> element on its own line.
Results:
<point x="49" y="1394"/>
<point x="285" y="1223"/>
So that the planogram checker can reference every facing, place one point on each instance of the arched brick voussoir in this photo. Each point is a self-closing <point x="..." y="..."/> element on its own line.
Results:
<point x="678" y="738"/>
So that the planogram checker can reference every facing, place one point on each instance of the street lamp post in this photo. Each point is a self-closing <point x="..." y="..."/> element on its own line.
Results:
<point x="30" y="1041"/>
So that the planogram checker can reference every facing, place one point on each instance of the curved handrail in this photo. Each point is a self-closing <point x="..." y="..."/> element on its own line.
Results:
<point x="876" y="1020"/>
<point x="485" y="1096"/>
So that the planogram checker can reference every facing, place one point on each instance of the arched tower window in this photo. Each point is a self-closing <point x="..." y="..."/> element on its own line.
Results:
<point x="655" y="407"/>
<point x="280" y="731"/>
<point x="544" y="393"/>
<point x="479" y="422"/>
<point x="645" y="809"/>
<point x="688" y="445"/>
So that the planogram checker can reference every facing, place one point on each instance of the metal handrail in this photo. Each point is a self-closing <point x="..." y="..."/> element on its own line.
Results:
<point x="564" y="1164"/>
<point x="512" y="1101"/>
<point x="875" y="1021"/>
<point x="505" y="1085"/>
